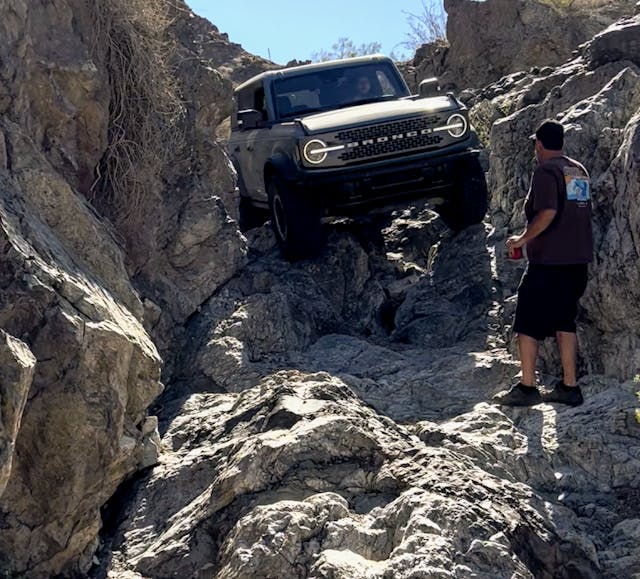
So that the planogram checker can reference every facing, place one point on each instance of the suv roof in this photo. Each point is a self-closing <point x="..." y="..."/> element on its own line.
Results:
<point x="294" y="70"/>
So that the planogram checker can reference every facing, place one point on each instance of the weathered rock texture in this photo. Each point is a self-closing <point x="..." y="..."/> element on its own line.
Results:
<point x="324" y="418"/>
<point x="297" y="478"/>
<point x="16" y="373"/>
<point x="89" y="370"/>
<point x="191" y="245"/>
<point x="214" y="50"/>
<point x="492" y="38"/>
<point x="78" y="368"/>
<point x="597" y="96"/>
<point x="66" y="289"/>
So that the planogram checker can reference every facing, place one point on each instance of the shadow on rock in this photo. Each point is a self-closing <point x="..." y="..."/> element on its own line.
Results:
<point x="407" y="319"/>
<point x="297" y="478"/>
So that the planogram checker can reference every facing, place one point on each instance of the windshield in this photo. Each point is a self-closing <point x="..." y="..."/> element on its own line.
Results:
<point x="333" y="88"/>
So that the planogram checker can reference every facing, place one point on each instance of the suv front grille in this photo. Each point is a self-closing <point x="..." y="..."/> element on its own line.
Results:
<point x="393" y="137"/>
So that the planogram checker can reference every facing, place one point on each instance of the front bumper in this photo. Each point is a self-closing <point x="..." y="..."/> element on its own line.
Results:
<point x="428" y="174"/>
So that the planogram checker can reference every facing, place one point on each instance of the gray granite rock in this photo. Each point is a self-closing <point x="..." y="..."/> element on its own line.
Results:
<point x="297" y="477"/>
<point x="327" y="418"/>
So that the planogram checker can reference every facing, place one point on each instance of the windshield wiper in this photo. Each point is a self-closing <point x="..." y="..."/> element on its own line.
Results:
<point x="377" y="99"/>
<point x="305" y="112"/>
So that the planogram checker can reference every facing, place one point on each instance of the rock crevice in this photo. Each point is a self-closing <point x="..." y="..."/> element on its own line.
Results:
<point x="327" y="418"/>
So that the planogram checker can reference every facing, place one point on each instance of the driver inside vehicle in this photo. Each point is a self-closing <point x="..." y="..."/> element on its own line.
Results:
<point x="363" y="88"/>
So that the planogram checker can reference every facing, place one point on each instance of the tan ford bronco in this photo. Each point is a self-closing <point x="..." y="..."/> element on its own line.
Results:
<point x="337" y="138"/>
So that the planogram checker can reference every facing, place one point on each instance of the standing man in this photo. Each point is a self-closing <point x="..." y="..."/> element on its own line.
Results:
<point x="559" y="247"/>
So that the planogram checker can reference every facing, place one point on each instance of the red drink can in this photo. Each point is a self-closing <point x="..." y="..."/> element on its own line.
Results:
<point x="516" y="253"/>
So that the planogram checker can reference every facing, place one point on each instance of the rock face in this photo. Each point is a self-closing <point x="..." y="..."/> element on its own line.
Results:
<point x="329" y="418"/>
<point x="89" y="371"/>
<point x="599" y="104"/>
<point x="80" y="435"/>
<point x="192" y="245"/>
<point x="324" y="418"/>
<point x="192" y="226"/>
<point x="493" y="38"/>
<point x="78" y="369"/>
<point x="298" y="478"/>
<point x="78" y="366"/>
<point x="429" y="60"/>
<point x="214" y="50"/>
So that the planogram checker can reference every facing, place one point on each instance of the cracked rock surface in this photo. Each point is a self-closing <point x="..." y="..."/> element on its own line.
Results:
<point x="332" y="418"/>
<point x="328" y="418"/>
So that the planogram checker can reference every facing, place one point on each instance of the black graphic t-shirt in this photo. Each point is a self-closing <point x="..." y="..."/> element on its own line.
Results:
<point x="562" y="184"/>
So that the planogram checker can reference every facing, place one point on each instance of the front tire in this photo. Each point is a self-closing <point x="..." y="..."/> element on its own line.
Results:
<point x="295" y="219"/>
<point x="469" y="200"/>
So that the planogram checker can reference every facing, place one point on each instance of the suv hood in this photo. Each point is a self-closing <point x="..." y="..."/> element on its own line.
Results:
<point x="375" y="113"/>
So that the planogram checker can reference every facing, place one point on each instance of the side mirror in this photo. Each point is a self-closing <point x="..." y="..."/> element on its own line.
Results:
<point x="429" y="87"/>
<point x="249" y="119"/>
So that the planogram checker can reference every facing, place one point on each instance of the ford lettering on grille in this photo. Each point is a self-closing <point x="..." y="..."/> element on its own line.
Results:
<point x="416" y="133"/>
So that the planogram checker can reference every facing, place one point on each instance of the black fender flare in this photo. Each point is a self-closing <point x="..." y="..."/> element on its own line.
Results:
<point x="281" y="164"/>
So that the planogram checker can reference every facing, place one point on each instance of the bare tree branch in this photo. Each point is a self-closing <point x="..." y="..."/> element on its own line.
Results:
<point x="429" y="25"/>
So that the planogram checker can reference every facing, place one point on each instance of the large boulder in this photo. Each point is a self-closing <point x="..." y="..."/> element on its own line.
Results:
<point x="599" y="105"/>
<point x="612" y="317"/>
<point x="80" y="367"/>
<point x="496" y="37"/>
<point x="296" y="477"/>
<point x="96" y="371"/>
<point x="621" y="41"/>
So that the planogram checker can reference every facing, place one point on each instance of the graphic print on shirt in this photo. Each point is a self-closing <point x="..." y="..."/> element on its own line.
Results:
<point x="578" y="185"/>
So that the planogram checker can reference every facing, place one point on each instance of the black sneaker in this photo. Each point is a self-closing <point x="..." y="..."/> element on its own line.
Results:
<point x="571" y="395"/>
<point x="519" y="395"/>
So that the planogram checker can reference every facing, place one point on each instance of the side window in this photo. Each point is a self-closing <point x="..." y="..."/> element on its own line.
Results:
<point x="245" y="99"/>
<point x="259" y="102"/>
<point x="252" y="97"/>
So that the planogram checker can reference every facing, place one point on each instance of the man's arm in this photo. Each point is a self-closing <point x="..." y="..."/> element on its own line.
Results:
<point x="538" y="224"/>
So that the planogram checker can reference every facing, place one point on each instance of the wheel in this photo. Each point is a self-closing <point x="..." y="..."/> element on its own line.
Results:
<point x="469" y="198"/>
<point x="295" y="219"/>
<point x="250" y="215"/>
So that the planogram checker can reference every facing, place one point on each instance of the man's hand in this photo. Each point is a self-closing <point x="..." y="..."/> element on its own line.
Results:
<point x="540" y="222"/>
<point x="513" y="242"/>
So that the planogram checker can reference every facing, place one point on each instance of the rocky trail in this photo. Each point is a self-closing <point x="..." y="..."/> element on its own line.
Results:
<point x="177" y="401"/>
<point x="343" y="427"/>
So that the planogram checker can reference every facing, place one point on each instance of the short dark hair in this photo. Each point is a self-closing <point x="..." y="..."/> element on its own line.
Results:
<point x="551" y="135"/>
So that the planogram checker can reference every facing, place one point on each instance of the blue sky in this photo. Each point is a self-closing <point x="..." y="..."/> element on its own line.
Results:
<point x="287" y="30"/>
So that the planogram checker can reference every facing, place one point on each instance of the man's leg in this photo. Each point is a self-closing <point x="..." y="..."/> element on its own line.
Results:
<point x="567" y="391"/>
<point x="524" y="393"/>
<point x="568" y="346"/>
<point x="528" y="348"/>
<point x="527" y="321"/>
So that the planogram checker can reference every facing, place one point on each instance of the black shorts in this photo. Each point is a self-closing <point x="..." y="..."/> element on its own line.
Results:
<point x="548" y="299"/>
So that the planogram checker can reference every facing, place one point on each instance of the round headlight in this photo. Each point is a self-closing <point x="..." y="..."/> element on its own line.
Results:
<point x="315" y="151"/>
<point x="457" y="125"/>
